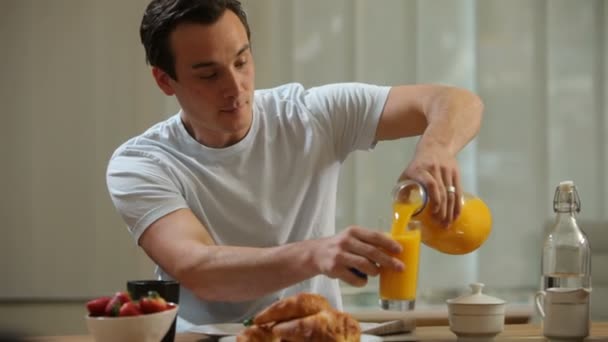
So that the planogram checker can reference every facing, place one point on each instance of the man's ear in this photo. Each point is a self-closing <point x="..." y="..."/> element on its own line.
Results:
<point x="163" y="80"/>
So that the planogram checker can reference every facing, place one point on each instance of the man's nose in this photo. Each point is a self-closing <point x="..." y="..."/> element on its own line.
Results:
<point x="231" y="84"/>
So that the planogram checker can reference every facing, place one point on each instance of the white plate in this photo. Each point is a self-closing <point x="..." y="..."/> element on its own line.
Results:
<point x="364" y="338"/>
<point x="220" y="329"/>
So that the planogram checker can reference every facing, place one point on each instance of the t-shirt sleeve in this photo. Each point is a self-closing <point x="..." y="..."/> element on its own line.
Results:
<point x="352" y="110"/>
<point x="142" y="190"/>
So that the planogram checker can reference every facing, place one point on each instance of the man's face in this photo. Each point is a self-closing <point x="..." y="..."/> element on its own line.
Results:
<point x="215" y="79"/>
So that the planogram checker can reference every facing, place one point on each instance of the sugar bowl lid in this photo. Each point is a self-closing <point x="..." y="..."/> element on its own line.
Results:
<point x="476" y="298"/>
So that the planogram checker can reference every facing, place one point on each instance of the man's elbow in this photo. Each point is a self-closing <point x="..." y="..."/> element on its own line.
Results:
<point x="205" y="284"/>
<point x="477" y="110"/>
<point x="192" y="277"/>
<point x="472" y="106"/>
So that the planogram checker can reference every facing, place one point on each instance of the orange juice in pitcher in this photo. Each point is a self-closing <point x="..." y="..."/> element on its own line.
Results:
<point x="465" y="234"/>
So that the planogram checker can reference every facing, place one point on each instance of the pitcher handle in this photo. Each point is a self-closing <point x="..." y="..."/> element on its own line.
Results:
<point x="539" y="299"/>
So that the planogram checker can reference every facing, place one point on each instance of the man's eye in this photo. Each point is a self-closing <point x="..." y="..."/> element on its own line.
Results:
<point x="208" y="77"/>
<point x="240" y="64"/>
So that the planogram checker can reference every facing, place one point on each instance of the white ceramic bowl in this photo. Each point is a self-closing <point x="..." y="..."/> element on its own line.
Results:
<point x="142" y="328"/>
<point x="476" y="317"/>
<point x="476" y="326"/>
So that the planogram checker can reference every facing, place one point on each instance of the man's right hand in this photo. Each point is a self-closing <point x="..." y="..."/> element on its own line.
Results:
<point x="359" y="248"/>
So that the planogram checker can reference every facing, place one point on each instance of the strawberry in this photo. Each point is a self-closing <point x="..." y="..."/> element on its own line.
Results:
<point x="123" y="296"/>
<point x="170" y="306"/>
<point x="113" y="307"/>
<point x="97" y="306"/>
<point x="152" y="303"/>
<point x="129" y="309"/>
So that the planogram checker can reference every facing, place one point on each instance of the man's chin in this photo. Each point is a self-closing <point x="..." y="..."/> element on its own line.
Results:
<point x="239" y="121"/>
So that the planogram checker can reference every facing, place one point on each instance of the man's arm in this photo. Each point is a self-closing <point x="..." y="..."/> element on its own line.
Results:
<point x="182" y="247"/>
<point x="448" y="118"/>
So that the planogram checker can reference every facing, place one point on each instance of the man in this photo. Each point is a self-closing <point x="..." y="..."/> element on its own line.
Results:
<point x="234" y="196"/>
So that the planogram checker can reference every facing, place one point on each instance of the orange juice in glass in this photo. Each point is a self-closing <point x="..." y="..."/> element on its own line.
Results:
<point x="398" y="288"/>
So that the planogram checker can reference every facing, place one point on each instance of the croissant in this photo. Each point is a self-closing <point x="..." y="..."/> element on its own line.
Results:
<point x="300" y="305"/>
<point x="257" y="333"/>
<point x="324" y="326"/>
<point x="303" y="317"/>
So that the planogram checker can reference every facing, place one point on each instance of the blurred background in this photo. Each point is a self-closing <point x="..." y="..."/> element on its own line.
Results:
<point x="74" y="86"/>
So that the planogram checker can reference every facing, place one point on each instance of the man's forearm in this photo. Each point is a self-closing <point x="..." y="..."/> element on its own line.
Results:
<point x="226" y="273"/>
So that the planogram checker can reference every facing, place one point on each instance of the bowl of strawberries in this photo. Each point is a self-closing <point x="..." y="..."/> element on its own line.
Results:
<point x="118" y="318"/>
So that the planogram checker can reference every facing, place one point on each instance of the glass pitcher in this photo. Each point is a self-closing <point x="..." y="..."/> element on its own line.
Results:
<point x="464" y="235"/>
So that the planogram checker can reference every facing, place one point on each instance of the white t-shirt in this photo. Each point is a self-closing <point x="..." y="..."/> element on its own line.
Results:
<point x="277" y="185"/>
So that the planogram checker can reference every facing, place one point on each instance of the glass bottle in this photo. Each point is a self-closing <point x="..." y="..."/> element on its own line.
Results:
<point x="566" y="259"/>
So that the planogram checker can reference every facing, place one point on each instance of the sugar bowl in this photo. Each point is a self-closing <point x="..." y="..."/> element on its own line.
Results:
<point x="476" y="316"/>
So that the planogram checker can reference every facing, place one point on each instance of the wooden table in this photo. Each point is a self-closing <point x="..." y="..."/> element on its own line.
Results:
<point x="512" y="332"/>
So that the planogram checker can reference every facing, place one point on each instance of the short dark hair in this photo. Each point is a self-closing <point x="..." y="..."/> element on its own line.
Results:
<point x="161" y="17"/>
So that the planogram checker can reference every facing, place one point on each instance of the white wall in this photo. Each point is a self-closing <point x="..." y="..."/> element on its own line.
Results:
<point x="74" y="86"/>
